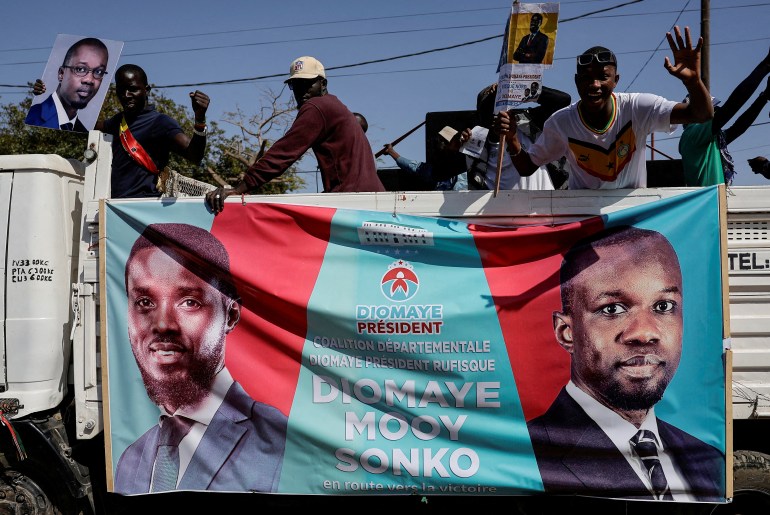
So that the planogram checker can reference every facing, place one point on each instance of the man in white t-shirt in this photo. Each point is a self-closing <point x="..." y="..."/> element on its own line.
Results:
<point x="604" y="134"/>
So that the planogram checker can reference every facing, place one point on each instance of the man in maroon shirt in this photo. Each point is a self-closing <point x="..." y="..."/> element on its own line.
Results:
<point x="324" y="124"/>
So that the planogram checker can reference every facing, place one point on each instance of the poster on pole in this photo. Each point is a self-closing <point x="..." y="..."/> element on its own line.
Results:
<point x="528" y="49"/>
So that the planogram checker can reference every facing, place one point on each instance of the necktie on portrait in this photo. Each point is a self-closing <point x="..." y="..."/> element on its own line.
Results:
<point x="644" y="444"/>
<point x="172" y="430"/>
<point x="67" y="126"/>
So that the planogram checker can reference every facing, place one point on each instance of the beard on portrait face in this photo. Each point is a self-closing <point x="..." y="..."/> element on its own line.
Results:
<point x="80" y="103"/>
<point x="187" y="387"/>
<point x="639" y="397"/>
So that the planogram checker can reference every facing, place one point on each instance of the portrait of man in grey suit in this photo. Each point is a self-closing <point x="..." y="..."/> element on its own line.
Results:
<point x="211" y="434"/>
<point x="621" y="321"/>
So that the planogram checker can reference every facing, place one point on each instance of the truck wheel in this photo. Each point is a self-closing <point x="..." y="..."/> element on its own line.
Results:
<point x="20" y="494"/>
<point x="751" y="485"/>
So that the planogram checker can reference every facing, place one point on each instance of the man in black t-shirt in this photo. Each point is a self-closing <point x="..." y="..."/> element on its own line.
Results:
<point x="151" y="135"/>
<point x="135" y="174"/>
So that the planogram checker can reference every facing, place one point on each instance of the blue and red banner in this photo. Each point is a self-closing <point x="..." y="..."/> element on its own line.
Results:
<point x="409" y="353"/>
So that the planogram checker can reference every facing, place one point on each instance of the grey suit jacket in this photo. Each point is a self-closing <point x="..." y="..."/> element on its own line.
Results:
<point x="241" y="451"/>
<point x="575" y="456"/>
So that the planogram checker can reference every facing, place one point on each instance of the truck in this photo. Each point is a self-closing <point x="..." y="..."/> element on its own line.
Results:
<point x="52" y="448"/>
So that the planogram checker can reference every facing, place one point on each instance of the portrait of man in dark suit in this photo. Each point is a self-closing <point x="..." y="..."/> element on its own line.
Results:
<point x="534" y="91"/>
<point x="211" y="434"/>
<point x="532" y="47"/>
<point x="621" y="321"/>
<point x="80" y="76"/>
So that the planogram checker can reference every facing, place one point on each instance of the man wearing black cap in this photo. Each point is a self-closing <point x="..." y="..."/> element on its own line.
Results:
<point x="324" y="124"/>
<point x="604" y="134"/>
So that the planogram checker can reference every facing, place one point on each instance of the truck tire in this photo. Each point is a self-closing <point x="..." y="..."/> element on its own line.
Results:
<point x="19" y="493"/>
<point x="28" y="490"/>
<point x="751" y="485"/>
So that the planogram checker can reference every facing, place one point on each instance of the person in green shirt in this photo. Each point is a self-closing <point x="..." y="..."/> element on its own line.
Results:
<point x="703" y="146"/>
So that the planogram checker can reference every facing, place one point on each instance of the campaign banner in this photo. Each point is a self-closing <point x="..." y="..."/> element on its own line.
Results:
<point x="317" y="350"/>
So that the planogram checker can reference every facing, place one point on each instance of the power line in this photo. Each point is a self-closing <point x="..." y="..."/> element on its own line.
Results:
<point x="411" y="70"/>
<point x="378" y="18"/>
<point x="275" y="27"/>
<point x="279" y="41"/>
<point x="404" y="56"/>
<point x="198" y="49"/>
<point x="638" y="73"/>
<point x="413" y="54"/>
<point x="341" y="67"/>
<point x="394" y="58"/>
<point x="386" y="59"/>
<point x="283" y="74"/>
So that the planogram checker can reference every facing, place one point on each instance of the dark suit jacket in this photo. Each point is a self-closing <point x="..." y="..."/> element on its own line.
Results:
<point x="575" y="456"/>
<point x="539" y="46"/>
<point x="44" y="115"/>
<point x="241" y="451"/>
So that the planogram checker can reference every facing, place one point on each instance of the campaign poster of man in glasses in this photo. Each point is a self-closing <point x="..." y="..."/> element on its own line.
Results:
<point x="75" y="82"/>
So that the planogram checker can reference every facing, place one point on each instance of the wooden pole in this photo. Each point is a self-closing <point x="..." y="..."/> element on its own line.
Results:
<point x="398" y="140"/>
<point x="500" y="163"/>
<point x="654" y="150"/>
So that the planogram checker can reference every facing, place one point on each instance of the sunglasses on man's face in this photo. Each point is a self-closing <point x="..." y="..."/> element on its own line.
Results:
<point x="603" y="57"/>
<point x="301" y="84"/>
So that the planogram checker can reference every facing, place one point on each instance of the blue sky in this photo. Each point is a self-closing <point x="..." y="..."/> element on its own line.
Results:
<point x="196" y="41"/>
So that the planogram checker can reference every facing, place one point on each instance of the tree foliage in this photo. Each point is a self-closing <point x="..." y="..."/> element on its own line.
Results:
<point x="18" y="138"/>
<point x="227" y="157"/>
<point x="254" y="134"/>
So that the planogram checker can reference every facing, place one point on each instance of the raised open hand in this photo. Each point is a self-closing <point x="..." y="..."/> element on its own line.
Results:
<point x="686" y="65"/>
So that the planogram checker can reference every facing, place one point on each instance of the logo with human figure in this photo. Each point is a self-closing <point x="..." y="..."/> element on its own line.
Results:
<point x="399" y="283"/>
